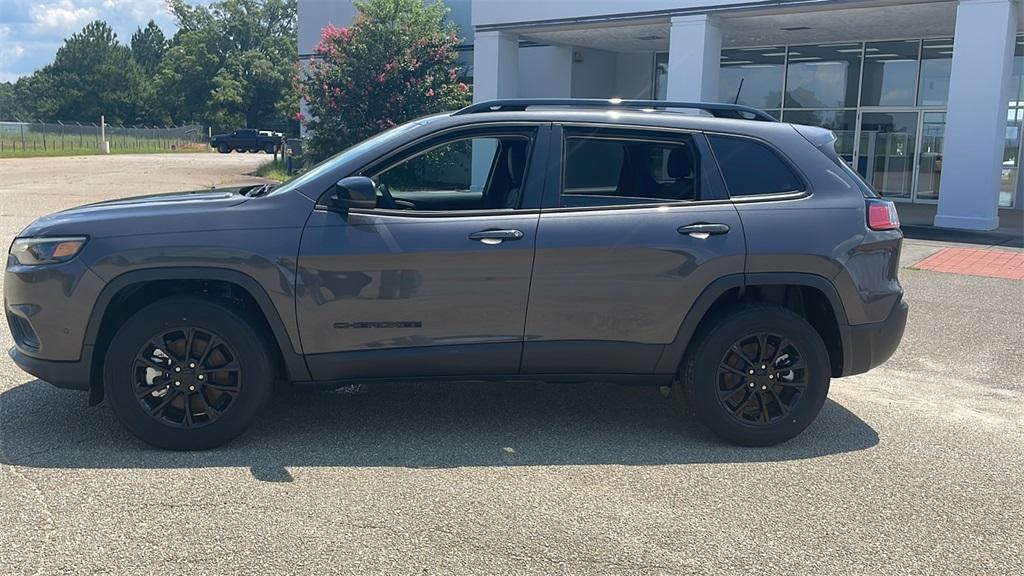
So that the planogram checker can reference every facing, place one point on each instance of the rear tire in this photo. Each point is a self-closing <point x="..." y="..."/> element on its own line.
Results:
<point x="187" y="373"/>
<point x="224" y="149"/>
<point x="758" y="377"/>
<point x="269" y="148"/>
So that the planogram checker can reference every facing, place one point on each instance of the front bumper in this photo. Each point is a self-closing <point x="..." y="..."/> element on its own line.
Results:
<point x="70" y="375"/>
<point x="870" y="345"/>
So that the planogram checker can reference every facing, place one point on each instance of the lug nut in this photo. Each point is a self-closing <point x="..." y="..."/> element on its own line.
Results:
<point x="764" y="367"/>
<point x="201" y="377"/>
<point x="751" y="372"/>
<point x="191" y="364"/>
<point x="771" y="376"/>
<point x="191" y="388"/>
<point x="751" y="384"/>
<point x="764" y="387"/>
<point x="176" y="383"/>
<point x="177" y="368"/>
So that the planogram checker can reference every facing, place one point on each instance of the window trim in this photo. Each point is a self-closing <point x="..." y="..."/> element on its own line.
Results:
<point x="804" y="191"/>
<point x="639" y="133"/>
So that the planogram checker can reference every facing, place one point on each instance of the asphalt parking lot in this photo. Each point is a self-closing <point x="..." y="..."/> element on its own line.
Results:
<point x="914" y="468"/>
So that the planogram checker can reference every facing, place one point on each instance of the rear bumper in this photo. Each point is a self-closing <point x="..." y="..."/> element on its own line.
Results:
<point x="70" y="375"/>
<point x="870" y="345"/>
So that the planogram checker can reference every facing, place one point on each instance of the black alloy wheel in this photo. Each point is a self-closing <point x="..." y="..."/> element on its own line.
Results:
<point x="761" y="378"/>
<point x="189" y="372"/>
<point x="756" y="375"/>
<point x="187" y="377"/>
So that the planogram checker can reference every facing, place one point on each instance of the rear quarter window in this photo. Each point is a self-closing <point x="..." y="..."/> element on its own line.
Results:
<point x="752" y="169"/>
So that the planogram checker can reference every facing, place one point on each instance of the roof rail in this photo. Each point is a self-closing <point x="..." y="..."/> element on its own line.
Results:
<point x="717" y="110"/>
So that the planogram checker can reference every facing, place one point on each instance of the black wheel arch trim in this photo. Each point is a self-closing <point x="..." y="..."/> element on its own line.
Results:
<point x="673" y="353"/>
<point x="294" y="362"/>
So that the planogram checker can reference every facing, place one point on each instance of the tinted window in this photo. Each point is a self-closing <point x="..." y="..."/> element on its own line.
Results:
<point x="602" y="171"/>
<point x="479" y="173"/>
<point x="751" y="168"/>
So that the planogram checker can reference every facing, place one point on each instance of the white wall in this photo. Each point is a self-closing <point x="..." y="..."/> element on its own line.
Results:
<point x="634" y="75"/>
<point x="490" y="12"/>
<point x="545" y="71"/>
<point x="593" y="75"/>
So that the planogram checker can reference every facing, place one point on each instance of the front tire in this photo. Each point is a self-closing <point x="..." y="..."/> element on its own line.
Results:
<point x="224" y="149"/>
<point x="758" y="377"/>
<point x="187" y="373"/>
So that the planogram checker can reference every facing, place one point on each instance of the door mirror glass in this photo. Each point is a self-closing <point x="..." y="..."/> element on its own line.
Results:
<point x="355" y="192"/>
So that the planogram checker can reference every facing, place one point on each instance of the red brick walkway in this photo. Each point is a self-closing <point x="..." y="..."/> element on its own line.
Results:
<point x="976" y="262"/>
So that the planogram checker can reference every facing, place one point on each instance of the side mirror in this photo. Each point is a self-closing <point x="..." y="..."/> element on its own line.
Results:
<point x="355" y="192"/>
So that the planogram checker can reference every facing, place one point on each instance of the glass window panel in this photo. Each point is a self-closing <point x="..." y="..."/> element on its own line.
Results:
<point x="607" y="172"/>
<point x="1017" y="76"/>
<point x="823" y="76"/>
<point x="661" y="76"/>
<point x="886" y="155"/>
<point x="752" y="77"/>
<point x="936" y="63"/>
<point x="1011" y="157"/>
<point x="842" y="122"/>
<point x="751" y="168"/>
<point x="890" y="73"/>
<point x="929" y="159"/>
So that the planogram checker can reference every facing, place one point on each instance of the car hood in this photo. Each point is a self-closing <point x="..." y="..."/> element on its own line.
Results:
<point x="137" y="214"/>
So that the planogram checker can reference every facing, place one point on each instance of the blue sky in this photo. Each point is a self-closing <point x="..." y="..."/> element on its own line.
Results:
<point x="31" y="31"/>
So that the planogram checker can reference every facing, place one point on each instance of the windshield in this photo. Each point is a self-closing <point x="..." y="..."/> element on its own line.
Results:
<point x="380" y="140"/>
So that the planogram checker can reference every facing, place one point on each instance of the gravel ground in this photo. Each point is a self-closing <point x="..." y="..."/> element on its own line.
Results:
<point x="914" y="468"/>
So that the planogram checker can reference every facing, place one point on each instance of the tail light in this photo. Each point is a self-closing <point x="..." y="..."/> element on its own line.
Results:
<point x="882" y="215"/>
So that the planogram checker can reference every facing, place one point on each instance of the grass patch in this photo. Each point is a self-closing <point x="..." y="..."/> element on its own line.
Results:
<point x="274" y="170"/>
<point x="92" y="151"/>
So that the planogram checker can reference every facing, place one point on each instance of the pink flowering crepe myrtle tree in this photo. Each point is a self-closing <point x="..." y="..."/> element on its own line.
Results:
<point x="397" y="61"/>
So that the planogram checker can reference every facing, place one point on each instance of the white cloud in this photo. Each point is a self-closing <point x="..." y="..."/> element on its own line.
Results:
<point x="63" y="15"/>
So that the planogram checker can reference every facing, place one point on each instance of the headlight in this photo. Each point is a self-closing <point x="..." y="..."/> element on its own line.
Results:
<point x="34" y="251"/>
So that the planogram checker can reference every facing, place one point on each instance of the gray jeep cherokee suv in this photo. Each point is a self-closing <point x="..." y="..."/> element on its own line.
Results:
<point x="732" y="257"/>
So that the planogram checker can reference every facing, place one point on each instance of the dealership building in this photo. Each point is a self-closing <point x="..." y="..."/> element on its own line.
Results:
<point x="926" y="98"/>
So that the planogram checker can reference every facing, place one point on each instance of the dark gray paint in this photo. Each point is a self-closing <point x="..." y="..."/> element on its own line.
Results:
<point x="605" y="291"/>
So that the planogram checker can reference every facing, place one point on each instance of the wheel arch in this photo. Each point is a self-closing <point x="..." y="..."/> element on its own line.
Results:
<point x="138" y="288"/>
<point x="812" y="296"/>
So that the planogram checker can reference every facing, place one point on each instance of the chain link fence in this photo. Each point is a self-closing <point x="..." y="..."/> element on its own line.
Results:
<point x="39" y="137"/>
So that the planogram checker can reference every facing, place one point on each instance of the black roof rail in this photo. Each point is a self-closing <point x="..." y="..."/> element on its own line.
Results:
<point x="717" y="110"/>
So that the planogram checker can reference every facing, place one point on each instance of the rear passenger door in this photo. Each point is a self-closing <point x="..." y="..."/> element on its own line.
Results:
<point x="634" y="225"/>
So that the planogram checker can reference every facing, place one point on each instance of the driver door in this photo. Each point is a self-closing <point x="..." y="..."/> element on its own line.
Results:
<point x="435" y="280"/>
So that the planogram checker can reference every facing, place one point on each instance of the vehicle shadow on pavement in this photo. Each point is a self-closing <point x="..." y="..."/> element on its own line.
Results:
<point x="414" y="425"/>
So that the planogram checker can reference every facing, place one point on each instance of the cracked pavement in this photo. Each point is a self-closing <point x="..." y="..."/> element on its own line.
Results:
<point x="914" y="468"/>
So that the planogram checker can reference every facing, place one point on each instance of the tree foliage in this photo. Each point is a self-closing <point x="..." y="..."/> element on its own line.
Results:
<point x="396" y="62"/>
<point x="229" y="64"/>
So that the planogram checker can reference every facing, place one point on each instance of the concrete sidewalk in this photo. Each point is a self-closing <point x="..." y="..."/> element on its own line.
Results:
<point x="916" y="220"/>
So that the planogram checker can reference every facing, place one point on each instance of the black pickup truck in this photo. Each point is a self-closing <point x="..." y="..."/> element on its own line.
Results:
<point x="247" y="140"/>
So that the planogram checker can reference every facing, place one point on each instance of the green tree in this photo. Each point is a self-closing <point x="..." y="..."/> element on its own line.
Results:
<point x="92" y="75"/>
<point x="230" y="63"/>
<point x="397" y="62"/>
<point x="148" y="46"/>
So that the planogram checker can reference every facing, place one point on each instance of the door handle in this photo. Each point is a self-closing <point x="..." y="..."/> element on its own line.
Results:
<point x="496" y="236"/>
<point x="703" y="231"/>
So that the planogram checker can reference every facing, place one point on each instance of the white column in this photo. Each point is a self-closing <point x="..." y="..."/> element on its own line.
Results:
<point x="495" y="65"/>
<point x="976" y="120"/>
<point x="694" y="52"/>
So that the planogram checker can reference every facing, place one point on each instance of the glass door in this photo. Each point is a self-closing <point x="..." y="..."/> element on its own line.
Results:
<point x="929" y="159"/>
<point x="886" y="151"/>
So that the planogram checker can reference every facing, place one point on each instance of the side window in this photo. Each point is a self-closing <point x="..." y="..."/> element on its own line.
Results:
<point x="480" y="173"/>
<point x="603" y="171"/>
<point x="751" y="168"/>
